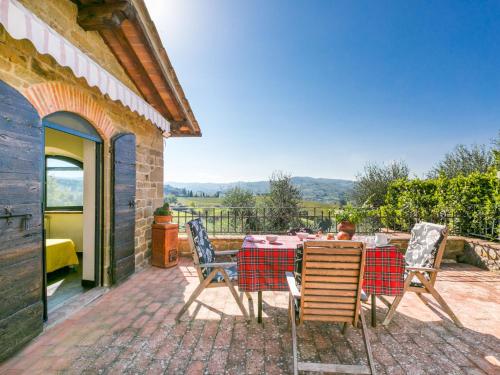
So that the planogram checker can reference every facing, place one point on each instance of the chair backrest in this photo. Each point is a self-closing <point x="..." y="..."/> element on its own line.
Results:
<point x="426" y="246"/>
<point x="201" y="247"/>
<point x="332" y="276"/>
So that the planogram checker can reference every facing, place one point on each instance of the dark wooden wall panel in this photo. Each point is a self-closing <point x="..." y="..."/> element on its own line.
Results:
<point x="123" y="217"/>
<point x="21" y="169"/>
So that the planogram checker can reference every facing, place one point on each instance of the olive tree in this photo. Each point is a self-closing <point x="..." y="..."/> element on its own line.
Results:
<point x="283" y="202"/>
<point x="464" y="160"/>
<point x="372" y="184"/>
<point x="241" y="208"/>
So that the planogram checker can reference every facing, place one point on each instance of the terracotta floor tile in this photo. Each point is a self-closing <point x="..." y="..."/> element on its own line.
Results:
<point x="136" y="332"/>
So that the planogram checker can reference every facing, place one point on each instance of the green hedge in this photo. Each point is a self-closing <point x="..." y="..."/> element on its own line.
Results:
<point x="467" y="204"/>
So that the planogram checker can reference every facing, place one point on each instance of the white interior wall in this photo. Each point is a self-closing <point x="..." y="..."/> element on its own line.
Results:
<point x="89" y="181"/>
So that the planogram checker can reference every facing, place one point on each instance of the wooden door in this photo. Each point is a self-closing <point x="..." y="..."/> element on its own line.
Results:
<point x="123" y="216"/>
<point x="21" y="173"/>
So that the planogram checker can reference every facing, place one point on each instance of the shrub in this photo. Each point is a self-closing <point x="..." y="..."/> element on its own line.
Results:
<point x="163" y="210"/>
<point x="467" y="204"/>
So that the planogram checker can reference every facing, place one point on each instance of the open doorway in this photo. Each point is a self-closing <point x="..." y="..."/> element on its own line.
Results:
<point x="72" y="208"/>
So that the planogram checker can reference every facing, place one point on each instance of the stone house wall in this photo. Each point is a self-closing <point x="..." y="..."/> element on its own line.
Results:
<point x="51" y="88"/>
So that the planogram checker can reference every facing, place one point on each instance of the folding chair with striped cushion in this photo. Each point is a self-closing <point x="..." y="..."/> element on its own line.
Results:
<point x="212" y="273"/>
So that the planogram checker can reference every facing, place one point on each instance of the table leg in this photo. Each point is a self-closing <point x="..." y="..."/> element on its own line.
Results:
<point x="259" y="306"/>
<point x="374" y="310"/>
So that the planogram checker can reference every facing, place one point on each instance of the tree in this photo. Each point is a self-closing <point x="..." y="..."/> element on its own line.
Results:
<point x="283" y="202"/>
<point x="241" y="208"/>
<point x="463" y="161"/>
<point x="372" y="184"/>
<point x="238" y="197"/>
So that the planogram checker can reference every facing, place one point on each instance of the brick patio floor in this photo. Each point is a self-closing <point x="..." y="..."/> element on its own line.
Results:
<point x="131" y="329"/>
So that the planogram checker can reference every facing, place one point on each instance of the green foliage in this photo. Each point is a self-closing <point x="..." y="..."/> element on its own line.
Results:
<point x="163" y="210"/>
<point x="241" y="210"/>
<point x="372" y="184"/>
<point x="349" y="213"/>
<point x="64" y="192"/>
<point x="467" y="204"/>
<point x="496" y="151"/>
<point x="464" y="160"/>
<point x="283" y="202"/>
<point x="238" y="197"/>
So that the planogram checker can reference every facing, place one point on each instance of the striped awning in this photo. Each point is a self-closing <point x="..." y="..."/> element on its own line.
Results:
<point x="20" y="23"/>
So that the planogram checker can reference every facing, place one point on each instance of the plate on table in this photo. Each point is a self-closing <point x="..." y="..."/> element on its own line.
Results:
<point x="255" y="240"/>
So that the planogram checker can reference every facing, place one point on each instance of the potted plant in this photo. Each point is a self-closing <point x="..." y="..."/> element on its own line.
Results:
<point x="163" y="214"/>
<point x="347" y="218"/>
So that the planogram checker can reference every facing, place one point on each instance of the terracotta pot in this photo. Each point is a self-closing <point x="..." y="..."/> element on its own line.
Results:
<point x="163" y="219"/>
<point x="343" y="236"/>
<point x="347" y="226"/>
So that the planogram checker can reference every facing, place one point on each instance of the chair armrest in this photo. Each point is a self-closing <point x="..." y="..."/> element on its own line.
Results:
<point x="423" y="269"/>
<point x="226" y="252"/>
<point x="223" y="264"/>
<point x="292" y="285"/>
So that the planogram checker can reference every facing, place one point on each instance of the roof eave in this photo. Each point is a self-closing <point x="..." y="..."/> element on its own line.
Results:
<point x="127" y="28"/>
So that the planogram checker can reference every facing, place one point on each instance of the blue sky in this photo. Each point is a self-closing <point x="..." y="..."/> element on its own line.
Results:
<point x="320" y="88"/>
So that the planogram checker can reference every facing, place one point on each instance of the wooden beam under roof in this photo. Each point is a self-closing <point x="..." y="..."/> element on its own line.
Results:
<point x="127" y="29"/>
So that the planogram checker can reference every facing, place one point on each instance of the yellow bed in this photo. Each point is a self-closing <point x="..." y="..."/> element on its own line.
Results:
<point x="60" y="253"/>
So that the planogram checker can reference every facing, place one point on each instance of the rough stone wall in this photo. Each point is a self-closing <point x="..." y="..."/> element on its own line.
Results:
<point x="481" y="253"/>
<point x="22" y="67"/>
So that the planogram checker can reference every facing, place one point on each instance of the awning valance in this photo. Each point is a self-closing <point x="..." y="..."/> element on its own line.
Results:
<point x="20" y="23"/>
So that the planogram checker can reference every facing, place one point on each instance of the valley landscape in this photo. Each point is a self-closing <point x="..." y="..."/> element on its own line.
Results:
<point x="317" y="190"/>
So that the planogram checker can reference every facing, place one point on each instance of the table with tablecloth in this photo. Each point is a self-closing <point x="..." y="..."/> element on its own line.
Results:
<point x="262" y="266"/>
<point x="384" y="274"/>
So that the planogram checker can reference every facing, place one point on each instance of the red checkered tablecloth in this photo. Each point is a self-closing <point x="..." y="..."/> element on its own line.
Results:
<point x="384" y="271"/>
<point x="262" y="266"/>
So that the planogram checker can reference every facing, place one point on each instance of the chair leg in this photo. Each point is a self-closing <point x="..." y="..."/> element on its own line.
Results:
<point x="397" y="300"/>
<point x="289" y="320"/>
<point x="234" y="293"/>
<point x="249" y="296"/>
<point x="294" y="338"/>
<point x="195" y="294"/>
<point x="439" y="299"/>
<point x="392" y="310"/>
<point x="367" y="342"/>
<point x="344" y="328"/>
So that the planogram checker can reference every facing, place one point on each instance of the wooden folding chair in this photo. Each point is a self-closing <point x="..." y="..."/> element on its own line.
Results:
<point x="212" y="274"/>
<point x="332" y="277"/>
<point x="423" y="259"/>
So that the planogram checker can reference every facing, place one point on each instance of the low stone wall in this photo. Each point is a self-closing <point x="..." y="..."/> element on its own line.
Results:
<point x="455" y="246"/>
<point x="219" y="242"/>
<point x="481" y="253"/>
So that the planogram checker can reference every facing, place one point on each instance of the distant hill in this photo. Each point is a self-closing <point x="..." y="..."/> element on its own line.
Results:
<point x="314" y="189"/>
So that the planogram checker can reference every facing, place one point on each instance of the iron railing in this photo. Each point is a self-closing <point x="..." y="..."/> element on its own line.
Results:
<point x="243" y="220"/>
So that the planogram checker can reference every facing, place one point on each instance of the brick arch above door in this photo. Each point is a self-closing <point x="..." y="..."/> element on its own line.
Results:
<point x="53" y="97"/>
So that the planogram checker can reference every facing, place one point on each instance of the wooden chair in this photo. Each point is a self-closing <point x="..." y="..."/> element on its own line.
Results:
<point x="423" y="259"/>
<point x="212" y="274"/>
<point x="332" y="277"/>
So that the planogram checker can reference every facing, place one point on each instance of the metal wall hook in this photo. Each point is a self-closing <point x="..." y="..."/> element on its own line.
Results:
<point x="9" y="214"/>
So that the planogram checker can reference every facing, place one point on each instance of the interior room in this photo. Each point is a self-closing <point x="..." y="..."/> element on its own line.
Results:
<point x="69" y="211"/>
